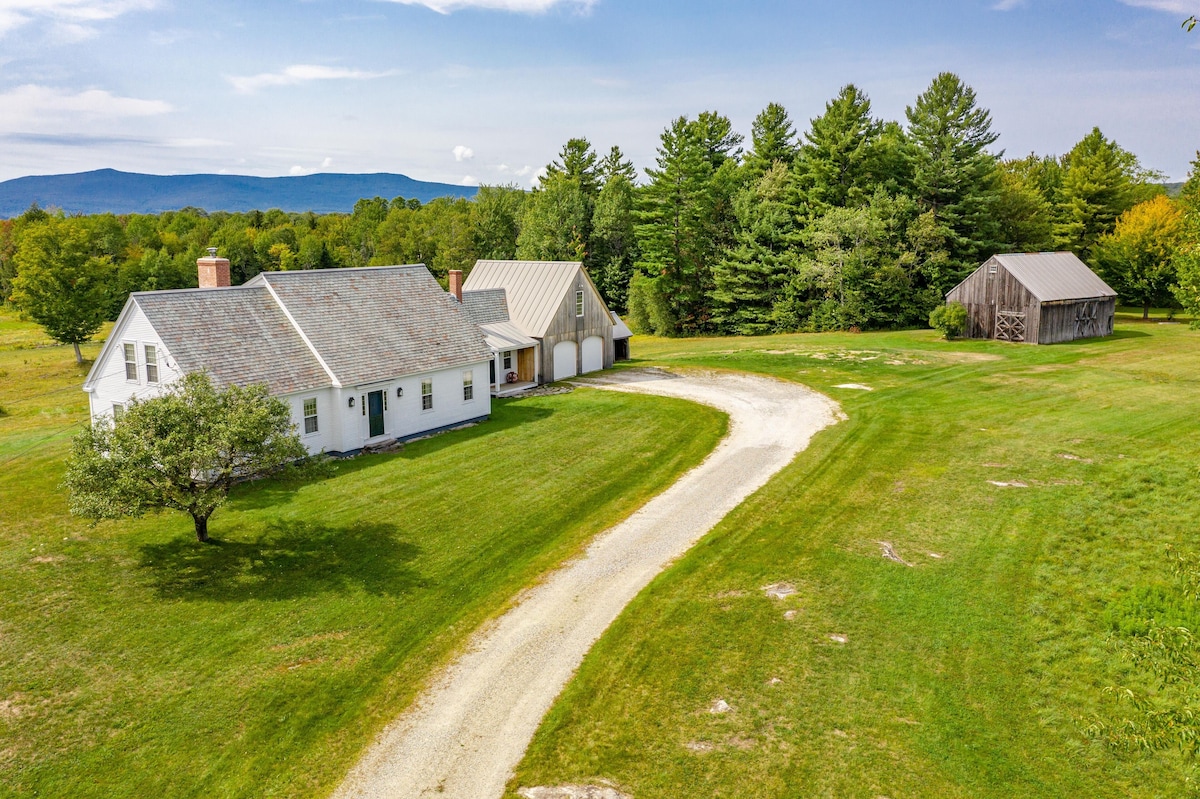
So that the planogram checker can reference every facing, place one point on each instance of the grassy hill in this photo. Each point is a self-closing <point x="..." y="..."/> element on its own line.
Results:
<point x="110" y="191"/>
<point x="971" y="669"/>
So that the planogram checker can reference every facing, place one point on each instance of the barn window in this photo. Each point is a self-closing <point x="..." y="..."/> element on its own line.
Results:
<point x="131" y="362"/>
<point x="151" y="364"/>
<point x="468" y="386"/>
<point x="310" y="416"/>
<point x="579" y="303"/>
<point x="426" y="395"/>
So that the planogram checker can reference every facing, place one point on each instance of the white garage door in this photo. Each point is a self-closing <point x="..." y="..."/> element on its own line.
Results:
<point x="593" y="354"/>
<point x="564" y="360"/>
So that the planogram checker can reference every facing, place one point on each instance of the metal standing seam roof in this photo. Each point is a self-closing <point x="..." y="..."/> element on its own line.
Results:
<point x="1055" y="276"/>
<point x="620" y="329"/>
<point x="238" y="335"/>
<point x="505" y="336"/>
<point x="535" y="289"/>
<point x="375" y="323"/>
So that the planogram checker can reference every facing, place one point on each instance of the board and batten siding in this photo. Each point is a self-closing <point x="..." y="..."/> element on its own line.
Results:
<point x="566" y="326"/>
<point x="986" y="292"/>
<point x="1058" y="319"/>
<point x="111" y="387"/>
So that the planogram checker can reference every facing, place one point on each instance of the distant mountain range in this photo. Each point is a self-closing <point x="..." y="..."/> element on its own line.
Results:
<point x="110" y="191"/>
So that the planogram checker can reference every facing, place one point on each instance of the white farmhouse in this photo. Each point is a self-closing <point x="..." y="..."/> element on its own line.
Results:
<point x="361" y="356"/>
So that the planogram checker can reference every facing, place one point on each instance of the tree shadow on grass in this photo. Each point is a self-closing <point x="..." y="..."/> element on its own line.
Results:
<point x="287" y="560"/>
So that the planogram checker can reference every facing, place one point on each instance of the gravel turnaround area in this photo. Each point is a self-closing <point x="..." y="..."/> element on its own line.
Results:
<point x="464" y="735"/>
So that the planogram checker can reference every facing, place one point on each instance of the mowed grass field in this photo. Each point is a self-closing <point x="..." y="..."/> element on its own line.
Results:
<point x="973" y="668"/>
<point x="135" y="662"/>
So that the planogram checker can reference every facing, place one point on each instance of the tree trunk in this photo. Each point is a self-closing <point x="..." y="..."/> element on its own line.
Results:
<point x="78" y="354"/>
<point x="201" y="528"/>
<point x="1146" y="311"/>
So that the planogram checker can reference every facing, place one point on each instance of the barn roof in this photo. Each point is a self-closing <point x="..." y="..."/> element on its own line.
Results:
<point x="535" y="289"/>
<point x="375" y="323"/>
<point x="620" y="329"/>
<point x="239" y="336"/>
<point x="1055" y="276"/>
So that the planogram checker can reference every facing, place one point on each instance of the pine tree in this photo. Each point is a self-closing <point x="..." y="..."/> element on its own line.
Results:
<point x="1101" y="180"/>
<point x="841" y="159"/>
<point x="614" y="245"/>
<point x="749" y="279"/>
<point x="953" y="174"/>
<point x="615" y="164"/>
<point x="773" y="140"/>
<point x="685" y="216"/>
<point x="578" y="161"/>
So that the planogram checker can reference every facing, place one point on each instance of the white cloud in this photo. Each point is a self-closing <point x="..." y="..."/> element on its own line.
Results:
<point x="470" y="180"/>
<point x="536" y="180"/>
<point x="1008" y="5"/>
<point x="71" y="16"/>
<point x="328" y="162"/>
<point x="33" y="104"/>
<point x="515" y="6"/>
<point x="1171" y="6"/>
<point x="462" y="153"/>
<point x="299" y="73"/>
<point x="299" y="171"/>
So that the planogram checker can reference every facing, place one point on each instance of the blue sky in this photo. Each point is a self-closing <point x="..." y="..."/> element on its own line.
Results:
<point x="486" y="91"/>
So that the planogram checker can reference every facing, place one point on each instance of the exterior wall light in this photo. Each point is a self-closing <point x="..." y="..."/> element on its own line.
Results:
<point x="352" y="402"/>
<point x="399" y="391"/>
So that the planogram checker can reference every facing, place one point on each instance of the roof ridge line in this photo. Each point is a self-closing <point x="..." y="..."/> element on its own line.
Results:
<point x="303" y="336"/>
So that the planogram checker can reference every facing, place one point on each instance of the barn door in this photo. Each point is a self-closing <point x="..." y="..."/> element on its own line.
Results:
<point x="1087" y="319"/>
<point x="1010" y="325"/>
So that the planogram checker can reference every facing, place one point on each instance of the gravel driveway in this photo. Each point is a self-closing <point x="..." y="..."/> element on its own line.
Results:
<point x="464" y="735"/>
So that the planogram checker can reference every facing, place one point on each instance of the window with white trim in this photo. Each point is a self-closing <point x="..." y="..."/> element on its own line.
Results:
<point x="468" y="386"/>
<point x="118" y="411"/>
<point x="310" y="416"/>
<point x="426" y="395"/>
<point x="151" y="364"/>
<point x="579" y="303"/>
<point x="508" y="360"/>
<point x="131" y="372"/>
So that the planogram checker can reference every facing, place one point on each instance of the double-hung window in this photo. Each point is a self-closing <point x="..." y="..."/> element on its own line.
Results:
<point x="310" y="416"/>
<point x="468" y="386"/>
<point x="426" y="395"/>
<point x="131" y="370"/>
<point x="151" y="364"/>
<point x="118" y="411"/>
<point x="579" y="303"/>
<point x="507" y="360"/>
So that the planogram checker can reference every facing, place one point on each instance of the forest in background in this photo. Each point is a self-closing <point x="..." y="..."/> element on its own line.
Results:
<point x="856" y="223"/>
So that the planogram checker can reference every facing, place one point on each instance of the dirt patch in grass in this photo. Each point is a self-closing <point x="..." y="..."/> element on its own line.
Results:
<point x="573" y="792"/>
<point x="779" y="590"/>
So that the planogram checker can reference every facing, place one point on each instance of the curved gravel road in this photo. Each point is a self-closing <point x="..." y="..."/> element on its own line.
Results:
<point x="464" y="735"/>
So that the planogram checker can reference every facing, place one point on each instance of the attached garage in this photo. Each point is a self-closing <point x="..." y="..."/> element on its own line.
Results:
<point x="564" y="360"/>
<point x="593" y="354"/>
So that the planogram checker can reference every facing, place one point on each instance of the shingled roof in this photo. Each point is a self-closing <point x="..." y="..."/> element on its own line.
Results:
<point x="298" y="331"/>
<point x="239" y="336"/>
<point x="376" y="323"/>
<point x="535" y="289"/>
<point x="486" y="306"/>
<point x="1055" y="276"/>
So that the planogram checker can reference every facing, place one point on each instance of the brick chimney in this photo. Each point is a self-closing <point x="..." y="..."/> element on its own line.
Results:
<point x="456" y="283"/>
<point x="213" y="271"/>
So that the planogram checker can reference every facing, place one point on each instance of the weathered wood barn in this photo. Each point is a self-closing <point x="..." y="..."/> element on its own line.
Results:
<point x="1037" y="298"/>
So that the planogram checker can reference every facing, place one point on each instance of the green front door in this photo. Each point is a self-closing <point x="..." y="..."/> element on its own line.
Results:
<point x="375" y="412"/>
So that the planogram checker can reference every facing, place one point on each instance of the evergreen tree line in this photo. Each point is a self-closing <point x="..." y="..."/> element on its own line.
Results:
<point x="855" y="223"/>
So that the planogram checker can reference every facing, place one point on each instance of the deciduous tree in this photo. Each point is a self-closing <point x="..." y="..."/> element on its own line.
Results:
<point x="1138" y="257"/>
<point x="60" y="283"/>
<point x="181" y="451"/>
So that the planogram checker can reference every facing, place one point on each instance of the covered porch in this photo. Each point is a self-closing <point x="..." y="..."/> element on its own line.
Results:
<point x="514" y="359"/>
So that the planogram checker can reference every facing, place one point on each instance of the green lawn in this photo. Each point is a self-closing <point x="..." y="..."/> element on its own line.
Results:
<point x="972" y="672"/>
<point x="135" y="662"/>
